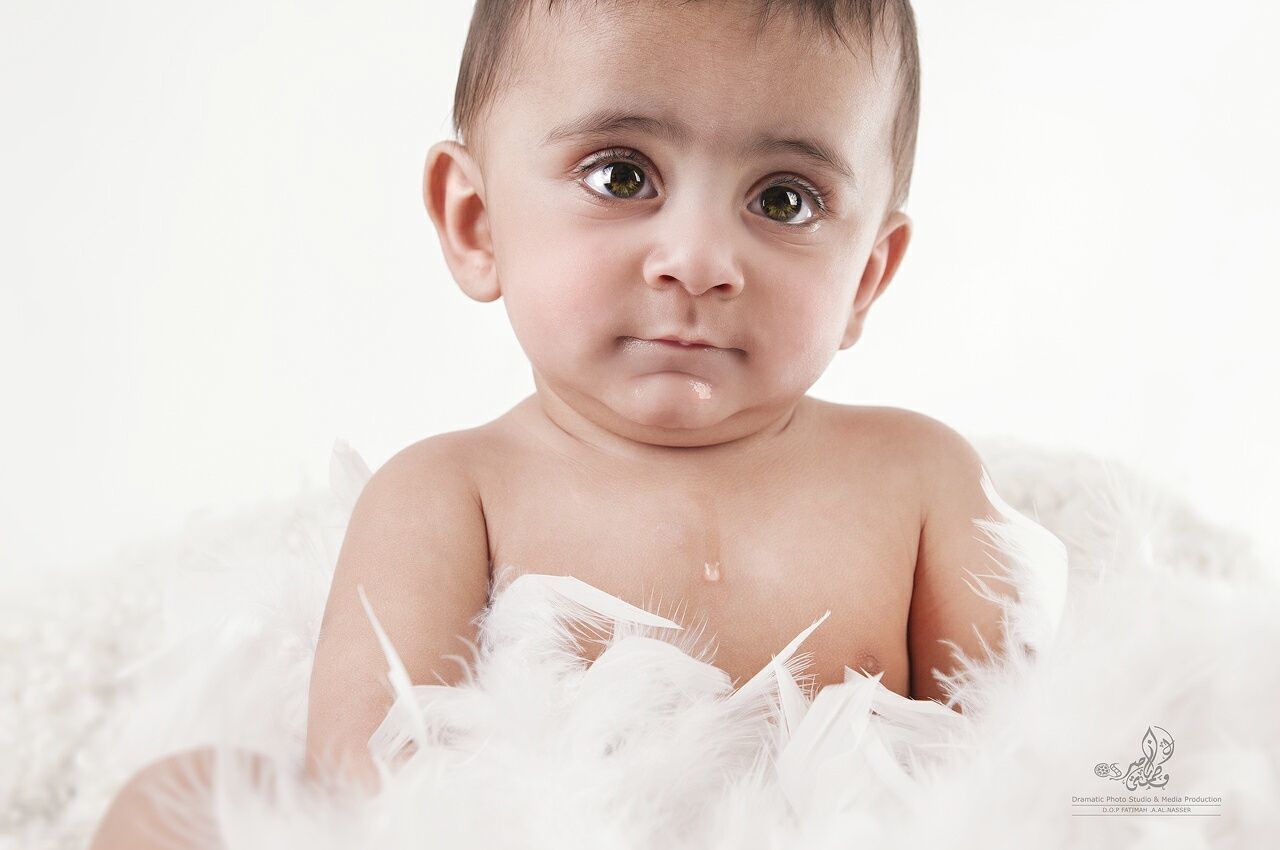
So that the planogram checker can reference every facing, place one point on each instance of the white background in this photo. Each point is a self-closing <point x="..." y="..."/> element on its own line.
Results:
<point x="216" y="260"/>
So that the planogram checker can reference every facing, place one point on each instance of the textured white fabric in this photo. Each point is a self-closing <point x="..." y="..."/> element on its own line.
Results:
<point x="1162" y="624"/>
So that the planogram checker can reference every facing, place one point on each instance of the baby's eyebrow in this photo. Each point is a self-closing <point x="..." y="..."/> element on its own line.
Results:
<point x="607" y="121"/>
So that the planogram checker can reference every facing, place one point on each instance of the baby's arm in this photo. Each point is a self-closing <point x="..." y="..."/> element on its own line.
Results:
<point x="943" y="606"/>
<point x="417" y="543"/>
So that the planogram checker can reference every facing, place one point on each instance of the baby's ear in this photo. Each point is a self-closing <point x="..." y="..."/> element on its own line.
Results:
<point x="886" y="255"/>
<point x="453" y="191"/>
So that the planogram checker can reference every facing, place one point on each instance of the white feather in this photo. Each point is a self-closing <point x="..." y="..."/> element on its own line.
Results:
<point x="1159" y="623"/>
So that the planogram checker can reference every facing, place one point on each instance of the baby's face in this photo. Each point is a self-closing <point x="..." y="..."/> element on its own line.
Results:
<point x="689" y="223"/>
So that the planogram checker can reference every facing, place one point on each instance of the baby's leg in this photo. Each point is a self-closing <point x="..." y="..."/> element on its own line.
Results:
<point x="167" y="804"/>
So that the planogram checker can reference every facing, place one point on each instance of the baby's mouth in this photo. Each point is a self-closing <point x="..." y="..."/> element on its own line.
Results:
<point x="681" y="343"/>
<point x="673" y="344"/>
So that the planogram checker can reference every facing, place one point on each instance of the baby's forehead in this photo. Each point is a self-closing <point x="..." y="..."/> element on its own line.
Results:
<point x="709" y="66"/>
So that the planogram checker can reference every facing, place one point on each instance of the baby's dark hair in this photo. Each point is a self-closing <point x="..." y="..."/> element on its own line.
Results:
<point x="494" y="36"/>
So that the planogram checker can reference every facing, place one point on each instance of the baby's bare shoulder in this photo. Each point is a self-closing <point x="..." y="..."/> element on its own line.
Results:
<point x="904" y="438"/>
<point x="451" y="453"/>
<point x="911" y="458"/>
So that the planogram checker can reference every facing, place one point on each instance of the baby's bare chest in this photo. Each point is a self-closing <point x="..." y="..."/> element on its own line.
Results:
<point x="750" y="567"/>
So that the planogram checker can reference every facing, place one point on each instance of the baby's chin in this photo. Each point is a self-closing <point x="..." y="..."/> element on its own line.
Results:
<point x="673" y="400"/>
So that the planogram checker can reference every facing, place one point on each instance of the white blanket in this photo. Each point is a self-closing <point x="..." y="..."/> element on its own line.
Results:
<point x="1143" y="674"/>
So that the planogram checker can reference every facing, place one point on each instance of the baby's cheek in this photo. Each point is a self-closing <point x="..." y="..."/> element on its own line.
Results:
<point x="803" y="340"/>
<point x="804" y="363"/>
<point x="580" y="331"/>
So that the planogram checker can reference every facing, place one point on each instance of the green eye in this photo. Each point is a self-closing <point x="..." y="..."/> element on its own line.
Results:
<point x="621" y="179"/>
<point x="619" y="174"/>
<point x="780" y="203"/>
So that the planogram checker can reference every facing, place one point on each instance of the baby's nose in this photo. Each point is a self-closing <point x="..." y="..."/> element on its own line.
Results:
<point x="698" y="262"/>
<point x="694" y="246"/>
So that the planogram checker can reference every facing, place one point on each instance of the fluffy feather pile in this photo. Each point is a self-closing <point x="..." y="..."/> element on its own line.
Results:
<point x="1161" y="633"/>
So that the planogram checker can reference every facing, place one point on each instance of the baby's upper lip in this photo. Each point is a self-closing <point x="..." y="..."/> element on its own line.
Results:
<point x="687" y="340"/>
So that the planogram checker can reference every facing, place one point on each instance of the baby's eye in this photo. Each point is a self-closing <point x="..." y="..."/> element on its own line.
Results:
<point x="617" y="178"/>
<point x="780" y="202"/>
<point x="618" y="175"/>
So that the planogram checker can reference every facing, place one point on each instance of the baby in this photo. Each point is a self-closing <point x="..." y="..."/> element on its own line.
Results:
<point x="687" y="209"/>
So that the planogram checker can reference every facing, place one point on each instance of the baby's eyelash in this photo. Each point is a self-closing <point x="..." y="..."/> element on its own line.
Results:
<point x="820" y="194"/>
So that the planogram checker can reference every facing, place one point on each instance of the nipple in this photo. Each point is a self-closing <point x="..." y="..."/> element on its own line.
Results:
<point x="711" y="570"/>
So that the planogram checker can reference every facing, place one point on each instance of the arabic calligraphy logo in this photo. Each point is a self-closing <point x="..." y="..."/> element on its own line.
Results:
<point x="1148" y="771"/>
